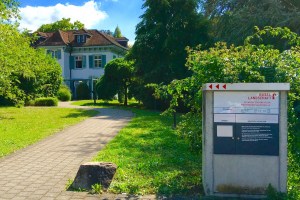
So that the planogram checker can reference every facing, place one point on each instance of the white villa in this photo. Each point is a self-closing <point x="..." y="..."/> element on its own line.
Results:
<point x="82" y="54"/>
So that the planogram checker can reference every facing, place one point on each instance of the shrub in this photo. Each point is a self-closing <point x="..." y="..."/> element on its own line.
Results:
<point x="190" y="129"/>
<point x="83" y="91"/>
<point x="46" y="101"/>
<point x="26" y="73"/>
<point x="30" y="103"/>
<point x="64" y="93"/>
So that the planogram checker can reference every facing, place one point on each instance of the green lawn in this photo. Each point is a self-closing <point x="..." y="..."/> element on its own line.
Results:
<point x="20" y="127"/>
<point x="101" y="103"/>
<point x="151" y="157"/>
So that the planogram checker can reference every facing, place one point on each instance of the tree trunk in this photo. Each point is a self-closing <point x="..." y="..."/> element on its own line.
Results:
<point x="126" y="95"/>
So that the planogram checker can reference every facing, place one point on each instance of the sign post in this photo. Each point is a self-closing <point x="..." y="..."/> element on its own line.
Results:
<point x="244" y="138"/>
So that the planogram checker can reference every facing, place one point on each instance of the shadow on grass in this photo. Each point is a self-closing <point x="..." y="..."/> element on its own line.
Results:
<point x="82" y="113"/>
<point x="158" y="158"/>
<point x="110" y="104"/>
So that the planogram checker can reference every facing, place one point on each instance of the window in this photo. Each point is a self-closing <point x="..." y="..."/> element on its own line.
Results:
<point x="78" y="62"/>
<point x="55" y="53"/>
<point x="80" y="38"/>
<point x="97" y="61"/>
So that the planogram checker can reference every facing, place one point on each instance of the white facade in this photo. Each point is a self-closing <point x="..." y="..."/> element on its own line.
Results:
<point x="88" y="72"/>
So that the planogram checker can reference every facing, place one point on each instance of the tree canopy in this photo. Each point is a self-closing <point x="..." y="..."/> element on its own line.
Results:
<point x="9" y="10"/>
<point x="233" y="20"/>
<point x="63" y="24"/>
<point x="166" y="29"/>
<point x="117" y="33"/>
<point x="237" y="64"/>
<point x="26" y="73"/>
<point x="118" y="75"/>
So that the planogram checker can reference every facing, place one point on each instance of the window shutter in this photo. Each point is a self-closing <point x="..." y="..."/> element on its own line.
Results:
<point x="83" y="61"/>
<point x="103" y="60"/>
<point x="72" y="62"/>
<point x="114" y="56"/>
<point x="91" y="62"/>
<point x="58" y="54"/>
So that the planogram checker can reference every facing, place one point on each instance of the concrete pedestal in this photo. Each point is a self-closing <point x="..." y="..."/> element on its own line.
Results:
<point x="239" y="171"/>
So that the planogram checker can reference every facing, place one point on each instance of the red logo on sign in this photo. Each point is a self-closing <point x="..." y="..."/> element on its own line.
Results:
<point x="218" y="86"/>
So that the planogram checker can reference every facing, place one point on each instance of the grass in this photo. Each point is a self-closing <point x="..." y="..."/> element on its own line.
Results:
<point x="101" y="103"/>
<point x="20" y="127"/>
<point x="151" y="157"/>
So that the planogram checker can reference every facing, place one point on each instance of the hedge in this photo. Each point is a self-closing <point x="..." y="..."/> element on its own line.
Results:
<point x="46" y="101"/>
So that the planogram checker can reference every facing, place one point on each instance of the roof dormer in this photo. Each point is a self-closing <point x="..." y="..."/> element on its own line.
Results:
<point x="81" y="38"/>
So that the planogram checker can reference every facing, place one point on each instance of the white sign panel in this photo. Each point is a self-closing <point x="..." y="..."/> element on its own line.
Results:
<point x="255" y="118"/>
<point x="224" y="118"/>
<point x="246" y="118"/>
<point x="246" y="102"/>
<point x="224" y="131"/>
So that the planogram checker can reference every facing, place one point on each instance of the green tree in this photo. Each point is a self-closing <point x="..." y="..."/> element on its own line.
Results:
<point x="118" y="75"/>
<point x="247" y="63"/>
<point x="26" y="73"/>
<point x="166" y="29"/>
<point x="117" y="33"/>
<point x="233" y="20"/>
<point x="63" y="24"/>
<point x="9" y="10"/>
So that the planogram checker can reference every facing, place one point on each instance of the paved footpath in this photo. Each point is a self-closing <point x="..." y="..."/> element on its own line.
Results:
<point x="41" y="171"/>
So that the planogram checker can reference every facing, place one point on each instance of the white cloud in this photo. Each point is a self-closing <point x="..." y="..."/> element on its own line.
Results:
<point x="89" y="14"/>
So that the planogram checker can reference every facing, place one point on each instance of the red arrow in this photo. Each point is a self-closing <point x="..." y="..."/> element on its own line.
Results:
<point x="210" y="86"/>
<point x="225" y="86"/>
<point x="218" y="86"/>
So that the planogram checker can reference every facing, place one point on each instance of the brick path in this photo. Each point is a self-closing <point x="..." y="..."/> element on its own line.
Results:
<point x="41" y="171"/>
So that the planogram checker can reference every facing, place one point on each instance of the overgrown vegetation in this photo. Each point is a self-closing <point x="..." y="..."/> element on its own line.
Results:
<point x="20" y="127"/>
<point x="26" y="73"/>
<point x="248" y="63"/>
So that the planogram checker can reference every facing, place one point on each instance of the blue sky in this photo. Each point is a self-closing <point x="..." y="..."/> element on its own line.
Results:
<point x="96" y="14"/>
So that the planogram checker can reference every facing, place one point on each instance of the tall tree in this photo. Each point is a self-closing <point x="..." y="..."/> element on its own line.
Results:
<point x="63" y="24"/>
<point x="235" y="19"/>
<point x="166" y="29"/>
<point x="117" y="33"/>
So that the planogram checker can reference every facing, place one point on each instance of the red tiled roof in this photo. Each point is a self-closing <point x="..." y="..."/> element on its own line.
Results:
<point x="94" y="38"/>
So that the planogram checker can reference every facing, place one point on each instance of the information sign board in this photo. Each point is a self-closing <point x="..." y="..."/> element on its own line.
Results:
<point x="246" y="123"/>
